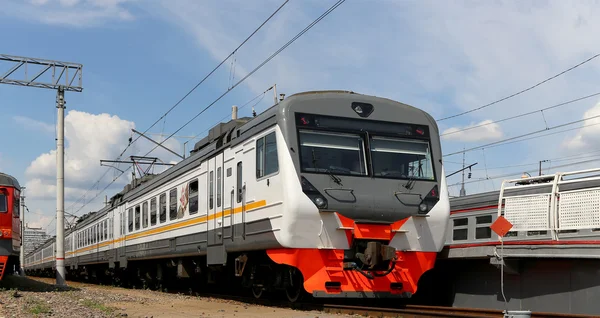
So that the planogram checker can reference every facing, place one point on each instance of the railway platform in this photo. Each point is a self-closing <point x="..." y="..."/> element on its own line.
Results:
<point x="550" y="258"/>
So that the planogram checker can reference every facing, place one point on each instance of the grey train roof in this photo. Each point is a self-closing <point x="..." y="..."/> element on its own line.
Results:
<point x="9" y="181"/>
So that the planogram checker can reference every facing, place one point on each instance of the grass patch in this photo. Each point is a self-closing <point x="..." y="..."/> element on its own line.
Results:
<point x="92" y="304"/>
<point x="37" y="307"/>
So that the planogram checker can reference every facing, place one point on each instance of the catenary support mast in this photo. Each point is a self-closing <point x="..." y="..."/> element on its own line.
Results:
<point x="61" y="76"/>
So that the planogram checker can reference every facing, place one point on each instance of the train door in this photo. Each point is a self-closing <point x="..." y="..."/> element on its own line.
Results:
<point x="238" y="194"/>
<point x="216" y="254"/>
<point x="121" y="242"/>
<point x="219" y="212"/>
<point x="231" y="217"/>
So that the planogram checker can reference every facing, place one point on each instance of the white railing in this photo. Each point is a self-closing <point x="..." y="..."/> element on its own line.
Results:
<point x="553" y="210"/>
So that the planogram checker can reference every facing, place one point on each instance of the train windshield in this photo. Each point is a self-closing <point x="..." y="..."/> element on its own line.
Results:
<point x="333" y="153"/>
<point x="3" y="203"/>
<point x="401" y="158"/>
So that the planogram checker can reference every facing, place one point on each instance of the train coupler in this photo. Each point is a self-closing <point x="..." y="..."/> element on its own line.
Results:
<point x="376" y="253"/>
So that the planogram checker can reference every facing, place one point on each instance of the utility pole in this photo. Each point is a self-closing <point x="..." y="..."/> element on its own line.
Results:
<point x="65" y="76"/>
<point x="22" y="217"/>
<point x="540" y="170"/>
<point x="463" y="192"/>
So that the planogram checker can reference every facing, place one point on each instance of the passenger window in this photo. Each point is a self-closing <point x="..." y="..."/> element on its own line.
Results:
<point x="239" y="182"/>
<point x="211" y="191"/>
<point x="173" y="204"/>
<point x="145" y="214"/>
<point x="219" y="186"/>
<point x="266" y="156"/>
<point x="460" y="231"/>
<point x="193" y="195"/>
<point x="483" y="232"/>
<point x="105" y="230"/>
<point x="459" y="234"/>
<point x="153" y="211"/>
<point x="130" y="219"/>
<point x="3" y="203"/>
<point x="137" y="217"/>
<point x="163" y="207"/>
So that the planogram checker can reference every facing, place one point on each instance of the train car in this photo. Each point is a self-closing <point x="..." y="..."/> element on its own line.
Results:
<point x="10" y="223"/>
<point x="330" y="193"/>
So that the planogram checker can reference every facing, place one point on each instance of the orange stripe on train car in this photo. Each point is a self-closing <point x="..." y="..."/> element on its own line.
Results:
<point x="174" y="226"/>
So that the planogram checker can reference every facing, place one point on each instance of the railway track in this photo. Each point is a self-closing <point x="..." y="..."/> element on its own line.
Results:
<point x="413" y="311"/>
<point x="406" y="311"/>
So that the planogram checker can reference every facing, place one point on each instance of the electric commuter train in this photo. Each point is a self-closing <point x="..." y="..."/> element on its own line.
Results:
<point x="10" y="222"/>
<point x="331" y="193"/>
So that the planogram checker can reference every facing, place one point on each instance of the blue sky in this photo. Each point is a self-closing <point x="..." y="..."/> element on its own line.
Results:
<point x="445" y="57"/>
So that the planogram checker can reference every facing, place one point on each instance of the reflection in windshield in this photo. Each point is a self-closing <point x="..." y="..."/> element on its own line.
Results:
<point x="341" y="154"/>
<point x="401" y="158"/>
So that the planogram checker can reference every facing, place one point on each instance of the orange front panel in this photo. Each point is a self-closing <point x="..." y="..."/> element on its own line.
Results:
<point x="319" y="266"/>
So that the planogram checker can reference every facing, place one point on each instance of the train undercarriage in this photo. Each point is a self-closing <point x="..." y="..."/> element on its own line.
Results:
<point x="248" y="273"/>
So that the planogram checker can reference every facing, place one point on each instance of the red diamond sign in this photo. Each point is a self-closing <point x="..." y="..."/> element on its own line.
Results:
<point x="501" y="226"/>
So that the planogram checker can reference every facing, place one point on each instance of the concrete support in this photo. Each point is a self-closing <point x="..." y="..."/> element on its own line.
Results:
<point x="60" y="188"/>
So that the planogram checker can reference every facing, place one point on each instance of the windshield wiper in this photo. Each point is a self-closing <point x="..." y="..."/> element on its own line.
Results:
<point x="335" y="178"/>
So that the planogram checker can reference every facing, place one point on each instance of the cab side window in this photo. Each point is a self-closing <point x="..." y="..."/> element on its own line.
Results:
<point x="3" y="203"/>
<point x="266" y="156"/>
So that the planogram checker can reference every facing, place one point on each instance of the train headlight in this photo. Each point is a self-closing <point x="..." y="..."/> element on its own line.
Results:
<point x="313" y="194"/>
<point x="430" y="200"/>
<point x="320" y="202"/>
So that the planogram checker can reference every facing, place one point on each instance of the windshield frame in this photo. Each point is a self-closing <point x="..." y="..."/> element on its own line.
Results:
<point x="362" y="152"/>
<point x="402" y="139"/>
<point x="366" y="137"/>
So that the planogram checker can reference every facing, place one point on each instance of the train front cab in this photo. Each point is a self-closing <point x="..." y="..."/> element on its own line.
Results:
<point x="10" y="225"/>
<point x="383" y="184"/>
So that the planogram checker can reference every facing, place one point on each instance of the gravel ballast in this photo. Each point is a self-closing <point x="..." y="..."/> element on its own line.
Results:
<point x="38" y="297"/>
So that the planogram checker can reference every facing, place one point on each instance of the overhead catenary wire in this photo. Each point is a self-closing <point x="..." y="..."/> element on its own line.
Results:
<point x="521" y="115"/>
<point x="186" y="95"/>
<point x="521" y="91"/>
<point x="555" y="159"/>
<point x="521" y="172"/>
<point x="312" y="24"/>
<point x="506" y="141"/>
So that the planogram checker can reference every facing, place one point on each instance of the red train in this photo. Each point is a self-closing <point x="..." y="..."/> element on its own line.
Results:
<point x="10" y="222"/>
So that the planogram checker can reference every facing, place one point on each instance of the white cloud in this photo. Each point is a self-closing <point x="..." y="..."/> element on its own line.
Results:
<point x="34" y="124"/>
<point x="37" y="219"/>
<point x="587" y="137"/>
<point x="76" y="13"/>
<point x="89" y="139"/>
<point x="484" y="131"/>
